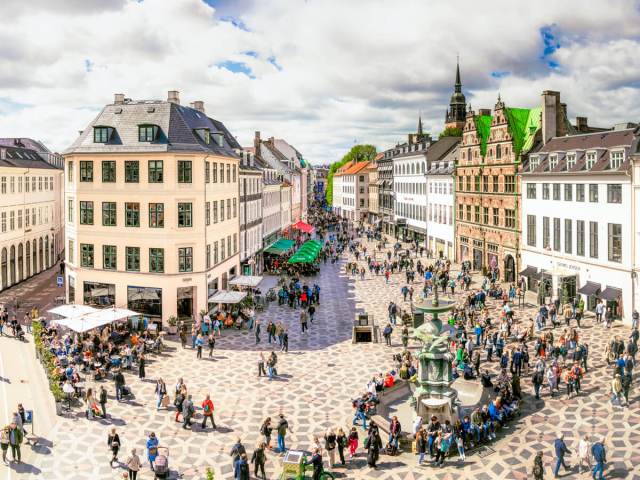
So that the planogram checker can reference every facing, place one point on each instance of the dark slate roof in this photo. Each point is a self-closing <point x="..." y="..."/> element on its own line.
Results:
<point x="268" y="181"/>
<point x="441" y="148"/>
<point x="446" y="164"/>
<point x="177" y="125"/>
<point x="22" y="158"/>
<point x="29" y="143"/>
<point x="600" y="142"/>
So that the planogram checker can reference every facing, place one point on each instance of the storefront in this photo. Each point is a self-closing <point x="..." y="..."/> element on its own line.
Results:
<point x="612" y="297"/>
<point x="146" y="300"/>
<point x="590" y="290"/>
<point x="99" y="294"/>
<point x="531" y="277"/>
<point x="185" y="302"/>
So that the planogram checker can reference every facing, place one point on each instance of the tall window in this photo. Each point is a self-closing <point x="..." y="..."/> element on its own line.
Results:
<point x="207" y="213"/>
<point x="184" y="215"/>
<point x="215" y="211"/>
<point x="556" y="234"/>
<point x="233" y="170"/>
<point x="495" y="183"/>
<point x="208" y="255"/>
<point x="476" y="213"/>
<point x="531" y="190"/>
<point x="207" y="171"/>
<point x="498" y="151"/>
<point x="468" y="213"/>
<point x="590" y="160"/>
<point x="222" y="173"/>
<point x="461" y="211"/>
<point x="228" y="208"/>
<point x="185" y="259"/>
<point x="553" y="161"/>
<point x="568" y="192"/>
<point x="228" y="173"/>
<point x="477" y="183"/>
<point x="156" y="215"/>
<point x="615" y="160"/>
<point x="86" y="213"/>
<point x="109" y="257"/>
<point x="485" y="215"/>
<point x="109" y="214"/>
<point x="614" y="233"/>
<point x="70" y="171"/>
<point x="156" y="260"/>
<point x="86" y="255"/>
<point x="108" y="171"/>
<point x="485" y="183"/>
<point x="593" y="192"/>
<point x="580" y="237"/>
<point x="509" y="183"/>
<point x="568" y="235"/>
<point x="156" y="171"/>
<point x="496" y="216"/>
<point x="510" y="218"/>
<point x="580" y="192"/>
<point x="132" y="171"/>
<point x="556" y="191"/>
<point x="614" y="193"/>
<point x="593" y="239"/>
<point x="545" y="233"/>
<point x="86" y="171"/>
<point x="545" y="191"/>
<point x="235" y="208"/>
<point x="100" y="134"/>
<point x="184" y="171"/>
<point x="215" y="253"/>
<point x="235" y="243"/>
<point x="133" y="259"/>
<point x="531" y="230"/>
<point x="132" y="214"/>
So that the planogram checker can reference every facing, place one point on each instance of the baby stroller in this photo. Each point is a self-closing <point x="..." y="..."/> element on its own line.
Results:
<point x="161" y="464"/>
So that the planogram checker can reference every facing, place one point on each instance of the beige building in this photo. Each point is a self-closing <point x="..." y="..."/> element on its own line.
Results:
<point x="374" y="190"/>
<point x="30" y="216"/>
<point x="152" y="204"/>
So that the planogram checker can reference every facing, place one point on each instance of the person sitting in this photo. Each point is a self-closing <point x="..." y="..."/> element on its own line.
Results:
<point x="389" y="380"/>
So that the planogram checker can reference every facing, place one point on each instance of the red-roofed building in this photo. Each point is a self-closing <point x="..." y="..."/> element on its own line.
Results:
<point x="351" y="191"/>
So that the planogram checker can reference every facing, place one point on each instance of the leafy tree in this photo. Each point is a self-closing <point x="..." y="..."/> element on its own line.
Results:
<point x="451" y="132"/>
<point x="358" y="153"/>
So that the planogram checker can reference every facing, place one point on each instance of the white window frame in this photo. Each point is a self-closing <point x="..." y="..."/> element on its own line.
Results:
<point x="611" y="154"/>
<point x="590" y="159"/>
<point x="534" y="162"/>
<point x="571" y="160"/>
<point x="553" y="161"/>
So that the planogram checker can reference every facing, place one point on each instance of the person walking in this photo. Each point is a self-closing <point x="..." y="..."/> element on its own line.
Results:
<point x="258" y="327"/>
<point x="241" y="468"/>
<point x="133" y="464"/>
<point x="341" y="442"/>
<point x="211" y="341"/>
<point x="584" y="453"/>
<point x="538" y="467"/>
<point x="386" y="333"/>
<point x="118" y="379"/>
<point x="330" y="441"/>
<point x="15" y="440"/>
<point x="600" y="458"/>
<point x="152" y="448"/>
<point x="285" y="341"/>
<point x="141" y="362"/>
<point x="265" y="431"/>
<point x="207" y="412"/>
<point x="303" y="320"/>
<point x="261" y="371"/>
<point x="4" y="443"/>
<point x="237" y="450"/>
<point x="161" y="392"/>
<point x="113" y="443"/>
<point x="258" y="459"/>
<point x="421" y="445"/>
<point x="187" y="412"/>
<point x="560" y="449"/>
<point x="283" y="426"/>
<point x="353" y="442"/>
<point x="102" y="400"/>
<point x="373" y="444"/>
<point x="199" y="343"/>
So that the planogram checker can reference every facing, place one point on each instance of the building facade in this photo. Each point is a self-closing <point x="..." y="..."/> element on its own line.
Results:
<point x="353" y="198"/>
<point x="31" y="236"/>
<point x="577" y="209"/>
<point x="635" y="215"/>
<point x="410" y="186"/>
<point x="251" y="187"/>
<point x="374" y="191"/>
<point x="386" y="194"/>
<point x="152" y="202"/>
<point x="441" y="158"/>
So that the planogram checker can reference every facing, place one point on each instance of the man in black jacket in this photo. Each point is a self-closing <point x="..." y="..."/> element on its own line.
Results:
<point x="119" y="381"/>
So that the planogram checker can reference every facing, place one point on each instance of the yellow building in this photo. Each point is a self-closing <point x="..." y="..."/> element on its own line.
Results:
<point x="152" y="209"/>
<point x="30" y="216"/>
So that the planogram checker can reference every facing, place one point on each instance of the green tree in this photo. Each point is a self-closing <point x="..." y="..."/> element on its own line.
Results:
<point x="451" y="132"/>
<point x="358" y="153"/>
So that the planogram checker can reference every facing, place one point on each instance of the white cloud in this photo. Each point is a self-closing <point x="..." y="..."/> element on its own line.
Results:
<point x="357" y="70"/>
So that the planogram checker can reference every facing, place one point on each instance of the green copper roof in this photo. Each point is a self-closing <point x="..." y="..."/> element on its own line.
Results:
<point x="523" y="125"/>
<point x="483" y="128"/>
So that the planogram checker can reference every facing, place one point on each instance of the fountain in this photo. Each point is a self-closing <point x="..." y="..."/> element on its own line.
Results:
<point x="434" y="395"/>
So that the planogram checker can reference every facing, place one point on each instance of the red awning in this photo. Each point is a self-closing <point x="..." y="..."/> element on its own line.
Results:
<point x="305" y="227"/>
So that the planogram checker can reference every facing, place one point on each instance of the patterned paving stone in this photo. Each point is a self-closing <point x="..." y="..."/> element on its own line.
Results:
<point x="320" y="375"/>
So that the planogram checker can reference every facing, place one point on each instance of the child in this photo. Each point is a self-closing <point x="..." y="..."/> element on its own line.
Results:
<point x="460" y="443"/>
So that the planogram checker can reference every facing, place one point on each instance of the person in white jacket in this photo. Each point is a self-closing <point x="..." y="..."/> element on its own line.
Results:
<point x="584" y="453"/>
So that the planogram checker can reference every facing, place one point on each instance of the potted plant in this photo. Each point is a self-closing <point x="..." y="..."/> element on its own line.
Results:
<point x="210" y="474"/>
<point x="172" y="325"/>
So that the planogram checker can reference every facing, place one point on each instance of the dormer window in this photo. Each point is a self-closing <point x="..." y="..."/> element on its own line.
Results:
<point x="591" y="160"/>
<point x="553" y="161"/>
<point x="571" y="160"/>
<point x="218" y="137"/>
<point x="616" y="159"/>
<point x="147" y="133"/>
<point x="534" y="163"/>
<point x="102" y="134"/>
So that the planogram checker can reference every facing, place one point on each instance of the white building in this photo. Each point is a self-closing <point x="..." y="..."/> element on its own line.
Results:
<point x="337" y="201"/>
<point x="31" y="236"/>
<point x="577" y="219"/>
<point x="441" y="157"/>
<point x="353" y="191"/>
<point x="251" y="186"/>
<point x="409" y="187"/>
<point x="635" y="215"/>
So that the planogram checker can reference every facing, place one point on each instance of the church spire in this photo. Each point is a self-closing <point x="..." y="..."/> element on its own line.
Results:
<point x="420" y="124"/>
<point x="458" y="85"/>
<point x="455" y="116"/>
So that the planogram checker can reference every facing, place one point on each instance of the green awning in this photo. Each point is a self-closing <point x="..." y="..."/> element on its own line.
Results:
<point x="280" y="246"/>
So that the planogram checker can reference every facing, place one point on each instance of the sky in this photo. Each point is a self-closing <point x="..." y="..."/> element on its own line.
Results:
<point x="322" y="74"/>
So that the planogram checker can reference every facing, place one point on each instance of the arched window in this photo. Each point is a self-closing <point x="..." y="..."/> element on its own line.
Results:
<point x="413" y="168"/>
<point x="498" y="151"/>
<point x="52" y="248"/>
<point x="4" y="268"/>
<point x="20" y="263"/>
<point x="12" y="264"/>
<point x="28" y="259"/>
<point x="41" y="253"/>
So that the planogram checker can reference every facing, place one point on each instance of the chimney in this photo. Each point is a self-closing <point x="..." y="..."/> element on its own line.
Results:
<point x="256" y="143"/>
<point x="581" y="124"/>
<point x="118" y="99"/>
<point x="271" y="141"/>
<point x="198" y="105"/>
<point x="551" y="109"/>
<point x="173" y="96"/>
<point x="484" y="111"/>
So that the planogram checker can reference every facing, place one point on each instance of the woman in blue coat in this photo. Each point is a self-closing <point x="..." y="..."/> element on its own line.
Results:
<point x="152" y="448"/>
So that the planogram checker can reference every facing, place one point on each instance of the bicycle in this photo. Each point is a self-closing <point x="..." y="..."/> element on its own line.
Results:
<point x="300" y="473"/>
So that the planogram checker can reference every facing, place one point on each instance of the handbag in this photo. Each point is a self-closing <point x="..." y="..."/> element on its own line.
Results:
<point x="165" y="401"/>
<point x="153" y="451"/>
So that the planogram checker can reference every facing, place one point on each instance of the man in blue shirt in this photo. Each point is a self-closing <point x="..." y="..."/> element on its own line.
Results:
<point x="560" y="448"/>
<point x="600" y="457"/>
